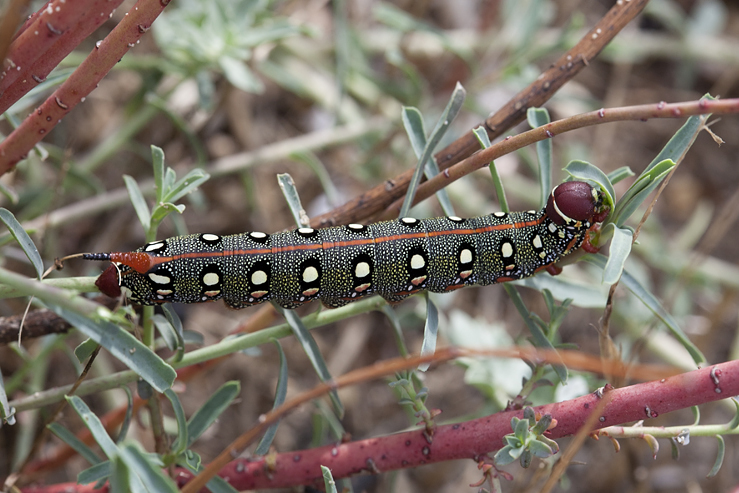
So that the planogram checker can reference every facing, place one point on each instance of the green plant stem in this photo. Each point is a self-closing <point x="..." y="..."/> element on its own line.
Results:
<point x="222" y="348"/>
<point x="78" y="284"/>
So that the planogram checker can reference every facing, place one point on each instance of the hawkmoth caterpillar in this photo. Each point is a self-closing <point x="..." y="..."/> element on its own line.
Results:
<point x="338" y="265"/>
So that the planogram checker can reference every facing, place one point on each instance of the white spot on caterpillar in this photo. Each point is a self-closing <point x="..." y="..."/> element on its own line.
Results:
<point x="360" y="288"/>
<point x="362" y="269"/>
<point x="543" y="255"/>
<point x="153" y="247"/>
<point x="310" y="274"/>
<point x="408" y="220"/>
<point x="355" y="226"/>
<point x="159" y="279"/>
<point x="537" y="242"/>
<point x="552" y="228"/>
<point x="306" y="231"/>
<point x="164" y="292"/>
<point x="210" y="237"/>
<point x="211" y="279"/>
<point x="258" y="277"/>
<point x="258" y="235"/>
<point x="465" y="256"/>
<point x="531" y="212"/>
<point x="213" y="293"/>
<point x="506" y="249"/>
<point x="417" y="262"/>
<point x="456" y="219"/>
<point x="258" y="294"/>
<point x="499" y="214"/>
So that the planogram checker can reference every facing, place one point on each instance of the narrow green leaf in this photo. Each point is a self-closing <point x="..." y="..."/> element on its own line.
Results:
<point x="147" y="468"/>
<point x="504" y="456"/>
<point x="157" y="162"/>
<point x="98" y="472"/>
<point x="176" y="323"/>
<point x="482" y="137"/>
<point x="413" y="124"/>
<point x="430" y="330"/>
<point x="240" y="75"/>
<point x="619" y="174"/>
<point x="187" y="184"/>
<point x="164" y="209"/>
<point x="617" y="254"/>
<point x="638" y="192"/>
<point x="314" y="354"/>
<point x="25" y="242"/>
<point x="127" y="418"/>
<point x="129" y="350"/>
<point x="77" y="445"/>
<point x="651" y="302"/>
<point x="280" y="395"/>
<point x="181" y="442"/>
<point x="719" y="457"/>
<point x="681" y="141"/>
<point x="583" y="170"/>
<point x="212" y="409"/>
<point x="697" y="413"/>
<point x="10" y="194"/>
<point x="85" y="349"/>
<point x="287" y="185"/>
<point x="734" y="423"/>
<point x="538" y="117"/>
<point x="169" y="335"/>
<point x="328" y="480"/>
<point x="109" y="448"/>
<point x="6" y="413"/>
<point x="449" y="113"/>
<point x="122" y="479"/>
<point x="138" y="201"/>
<point x="170" y="177"/>
<point x="540" y="339"/>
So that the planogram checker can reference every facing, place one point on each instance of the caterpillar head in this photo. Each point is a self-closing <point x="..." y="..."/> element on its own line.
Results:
<point x="109" y="282"/>
<point x="575" y="201"/>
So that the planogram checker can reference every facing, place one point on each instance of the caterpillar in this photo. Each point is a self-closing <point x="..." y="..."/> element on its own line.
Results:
<point x="338" y="265"/>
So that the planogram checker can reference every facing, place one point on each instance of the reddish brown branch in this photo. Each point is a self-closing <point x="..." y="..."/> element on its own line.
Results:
<point x="551" y="130"/>
<point x="54" y="32"/>
<point x="536" y="94"/>
<point x="83" y="81"/>
<point x="39" y="323"/>
<point x="480" y="436"/>
<point x="472" y="438"/>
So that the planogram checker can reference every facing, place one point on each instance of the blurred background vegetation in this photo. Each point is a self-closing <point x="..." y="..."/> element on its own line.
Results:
<point x="252" y="88"/>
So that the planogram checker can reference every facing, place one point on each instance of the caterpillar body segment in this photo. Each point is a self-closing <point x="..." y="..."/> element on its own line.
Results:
<point x="338" y="265"/>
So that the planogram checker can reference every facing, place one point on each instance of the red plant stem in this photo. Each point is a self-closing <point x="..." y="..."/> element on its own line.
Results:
<point x="45" y="43"/>
<point x="480" y="436"/>
<point x="483" y="157"/>
<point x="83" y="81"/>
<point x="470" y="439"/>
<point x="56" y="21"/>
